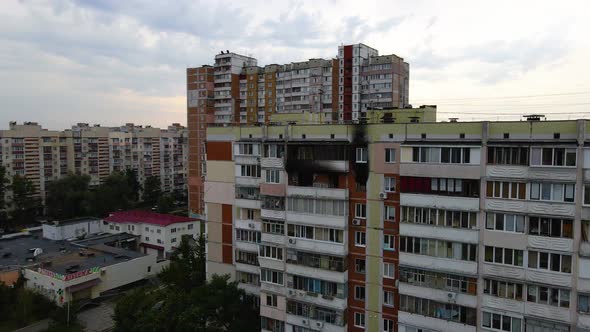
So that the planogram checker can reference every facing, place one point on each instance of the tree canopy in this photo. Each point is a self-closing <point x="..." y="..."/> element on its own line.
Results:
<point x="25" y="203"/>
<point x="68" y="197"/>
<point x="188" y="302"/>
<point x="151" y="190"/>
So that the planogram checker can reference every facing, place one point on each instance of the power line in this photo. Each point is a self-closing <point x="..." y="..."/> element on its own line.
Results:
<point x="518" y="105"/>
<point x="512" y="97"/>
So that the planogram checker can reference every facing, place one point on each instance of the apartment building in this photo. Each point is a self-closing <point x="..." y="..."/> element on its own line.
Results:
<point x="407" y="225"/>
<point x="47" y="155"/>
<point x="238" y="91"/>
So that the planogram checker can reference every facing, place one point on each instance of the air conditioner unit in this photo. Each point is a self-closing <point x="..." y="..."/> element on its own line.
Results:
<point x="356" y="222"/>
<point x="292" y="241"/>
<point x="251" y="225"/>
<point x="304" y="321"/>
<point x="291" y="292"/>
<point x="452" y="296"/>
<point x="319" y="324"/>
<point x="383" y="195"/>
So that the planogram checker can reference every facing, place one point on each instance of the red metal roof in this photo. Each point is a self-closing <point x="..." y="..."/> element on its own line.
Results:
<point x="146" y="217"/>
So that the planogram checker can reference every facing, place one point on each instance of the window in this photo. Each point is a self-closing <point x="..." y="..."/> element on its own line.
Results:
<point x="505" y="222"/>
<point x="584" y="303"/>
<point x="389" y="270"/>
<point x="189" y="227"/>
<point x="389" y="212"/>
<point x="503" y="256"/>
<point x="360" y="210"/>
<point x="550" y="296"/>
<point x="173" y="240"/>
<point x="438" y="280"/>
<point x="512" y="190"/>
<point x="438" y="248"/>
<point x="586" y="195"/>
<point x="445" y="155"/>
<point x="508" y="155"/>
<point x="247" y="235"/>
<point x="552" y="191"/>
<point x="271" y="300"/>
<point x="359" y="293"/>
<point x="440" y="310"/>
<point x="271" y="276"/>
<point x="503" y="289"/>
<point x="246" y="257"/>
<point x="315" y="233"/>
<point x="173" y="230"/>
<point x="250" y="170"/>
<point x="388" y="298"/>
<point x="501" y="322"/>
<point x="550" y="261"/>
<point x="550" y="227"/>
<point x="273" y="227"/>
<point x="274" y="151"/>
<point x="359" y="319"/>
<point x="316" y="206"/>
<point x="389" y="184"/>
<point x="248" y="149"/>
<point x="249" y="214"/>
<point x="360" y="239"/>
<point x="439" y="217"/>
<point x="361" y="155"/>
<point x="359" y="265"/>
<point x="553" y="157"/>
<point x="388" y="242"/>
<point x="147" y="238"/>
<point x="271" y="252"/>
<point x="389" y="155"/>
<point x="273" y="176"/>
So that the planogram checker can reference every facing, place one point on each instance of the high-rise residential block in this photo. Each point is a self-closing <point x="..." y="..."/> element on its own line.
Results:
<point x="238" y="91"/>
<point x="403" y="223"/>
<point x="47" y="155"/>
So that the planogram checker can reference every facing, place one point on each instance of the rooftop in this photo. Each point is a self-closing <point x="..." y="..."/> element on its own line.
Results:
<point x="146" y="217"/>
<point x="61" y="256"/>
<point x="73" y="221"/>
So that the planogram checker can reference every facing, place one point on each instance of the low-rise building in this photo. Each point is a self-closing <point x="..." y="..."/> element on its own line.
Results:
<point x="71" y="271"/>
<point x="71" y="228"/>
<point x="159" y="233"/>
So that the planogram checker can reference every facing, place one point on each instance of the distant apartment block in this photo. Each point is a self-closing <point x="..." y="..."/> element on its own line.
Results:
<point x="404" y="224"/>
<point x="46" y="155"/>
<point x="235" y="90"/>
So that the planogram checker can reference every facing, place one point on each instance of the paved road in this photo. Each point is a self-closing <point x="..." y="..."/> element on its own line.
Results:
<point x="98" y="319"/>
<point x="36" y="327"/>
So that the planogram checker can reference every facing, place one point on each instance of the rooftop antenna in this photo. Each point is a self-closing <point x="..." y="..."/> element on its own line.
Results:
<point x="453" y="119"/>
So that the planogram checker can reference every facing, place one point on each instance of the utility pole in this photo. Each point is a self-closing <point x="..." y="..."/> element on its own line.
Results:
<point x="68" y="317"/>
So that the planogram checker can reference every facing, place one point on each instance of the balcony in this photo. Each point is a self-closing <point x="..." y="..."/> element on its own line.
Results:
<point x="247" y="181"/>
<point x="547" y="312"/>
<point x="272" y="214"/>
<point x="436" y="232"/>
<point x="503" y="271"/>
<point x="339" y="222"/>
<point x="313" y="324"/>
<point x="337" y="249"/>
<point x="434" y="324"/>
<point x="550" y="278"/>
<point x="551" y="243"/>
<point x="254" y="269"/>
<point x="438" y="264"/>
<point x="534" y="207"/>
<point x="499" y="303"/>
<point x="318" y="273"/>
<point x="273" y="264"/>
<point x="247" y="203"/>
<point x="585" y="248"/>
<point x="248" y="224"/>
<point x="439" y="295"/>
<point x="331" y="193"/>
<point x="249" y="288"/>
<point x="443" y="202"/>
<point x="456" y="171"/>
<point x="272" y="238"/>
<point x="247" y="160"/>
<point x="247" y="246"/>
<point x="317" y="299"/>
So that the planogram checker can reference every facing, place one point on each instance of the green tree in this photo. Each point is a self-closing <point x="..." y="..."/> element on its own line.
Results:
<point x="25" y="203"/>
<point x="133" y="184"/>
<point x="68" y="197"/>
<point x="3" y="187"/>
<point x="187" y="267"/>
<point x="151" y="190"/>
<point x="113" y="194"/>
<point x="165" y="204"/>
<point x="186" y="301"/>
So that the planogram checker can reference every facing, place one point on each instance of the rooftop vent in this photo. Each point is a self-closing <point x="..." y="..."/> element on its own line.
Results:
<point x="453" y="119"/>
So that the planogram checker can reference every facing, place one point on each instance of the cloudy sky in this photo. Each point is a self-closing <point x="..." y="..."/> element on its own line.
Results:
<point x="113" y="61"/>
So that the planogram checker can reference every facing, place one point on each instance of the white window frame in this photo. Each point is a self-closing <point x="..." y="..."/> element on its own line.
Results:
<point x="360" y="239"/>
<point x="360" y="210"/>
<point x="359" y="319"/>
<point x="389" y="184"/>
<point x="361" y="155"/>
<point x="273" y="176"/>
<point x="388" y="295"/>
<point x="357" y="291"/>
<point x="389" y="242"/>
<point x="389" y="212"/>
<point x="388" y="270"/>
<point x="390" y="155"/>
